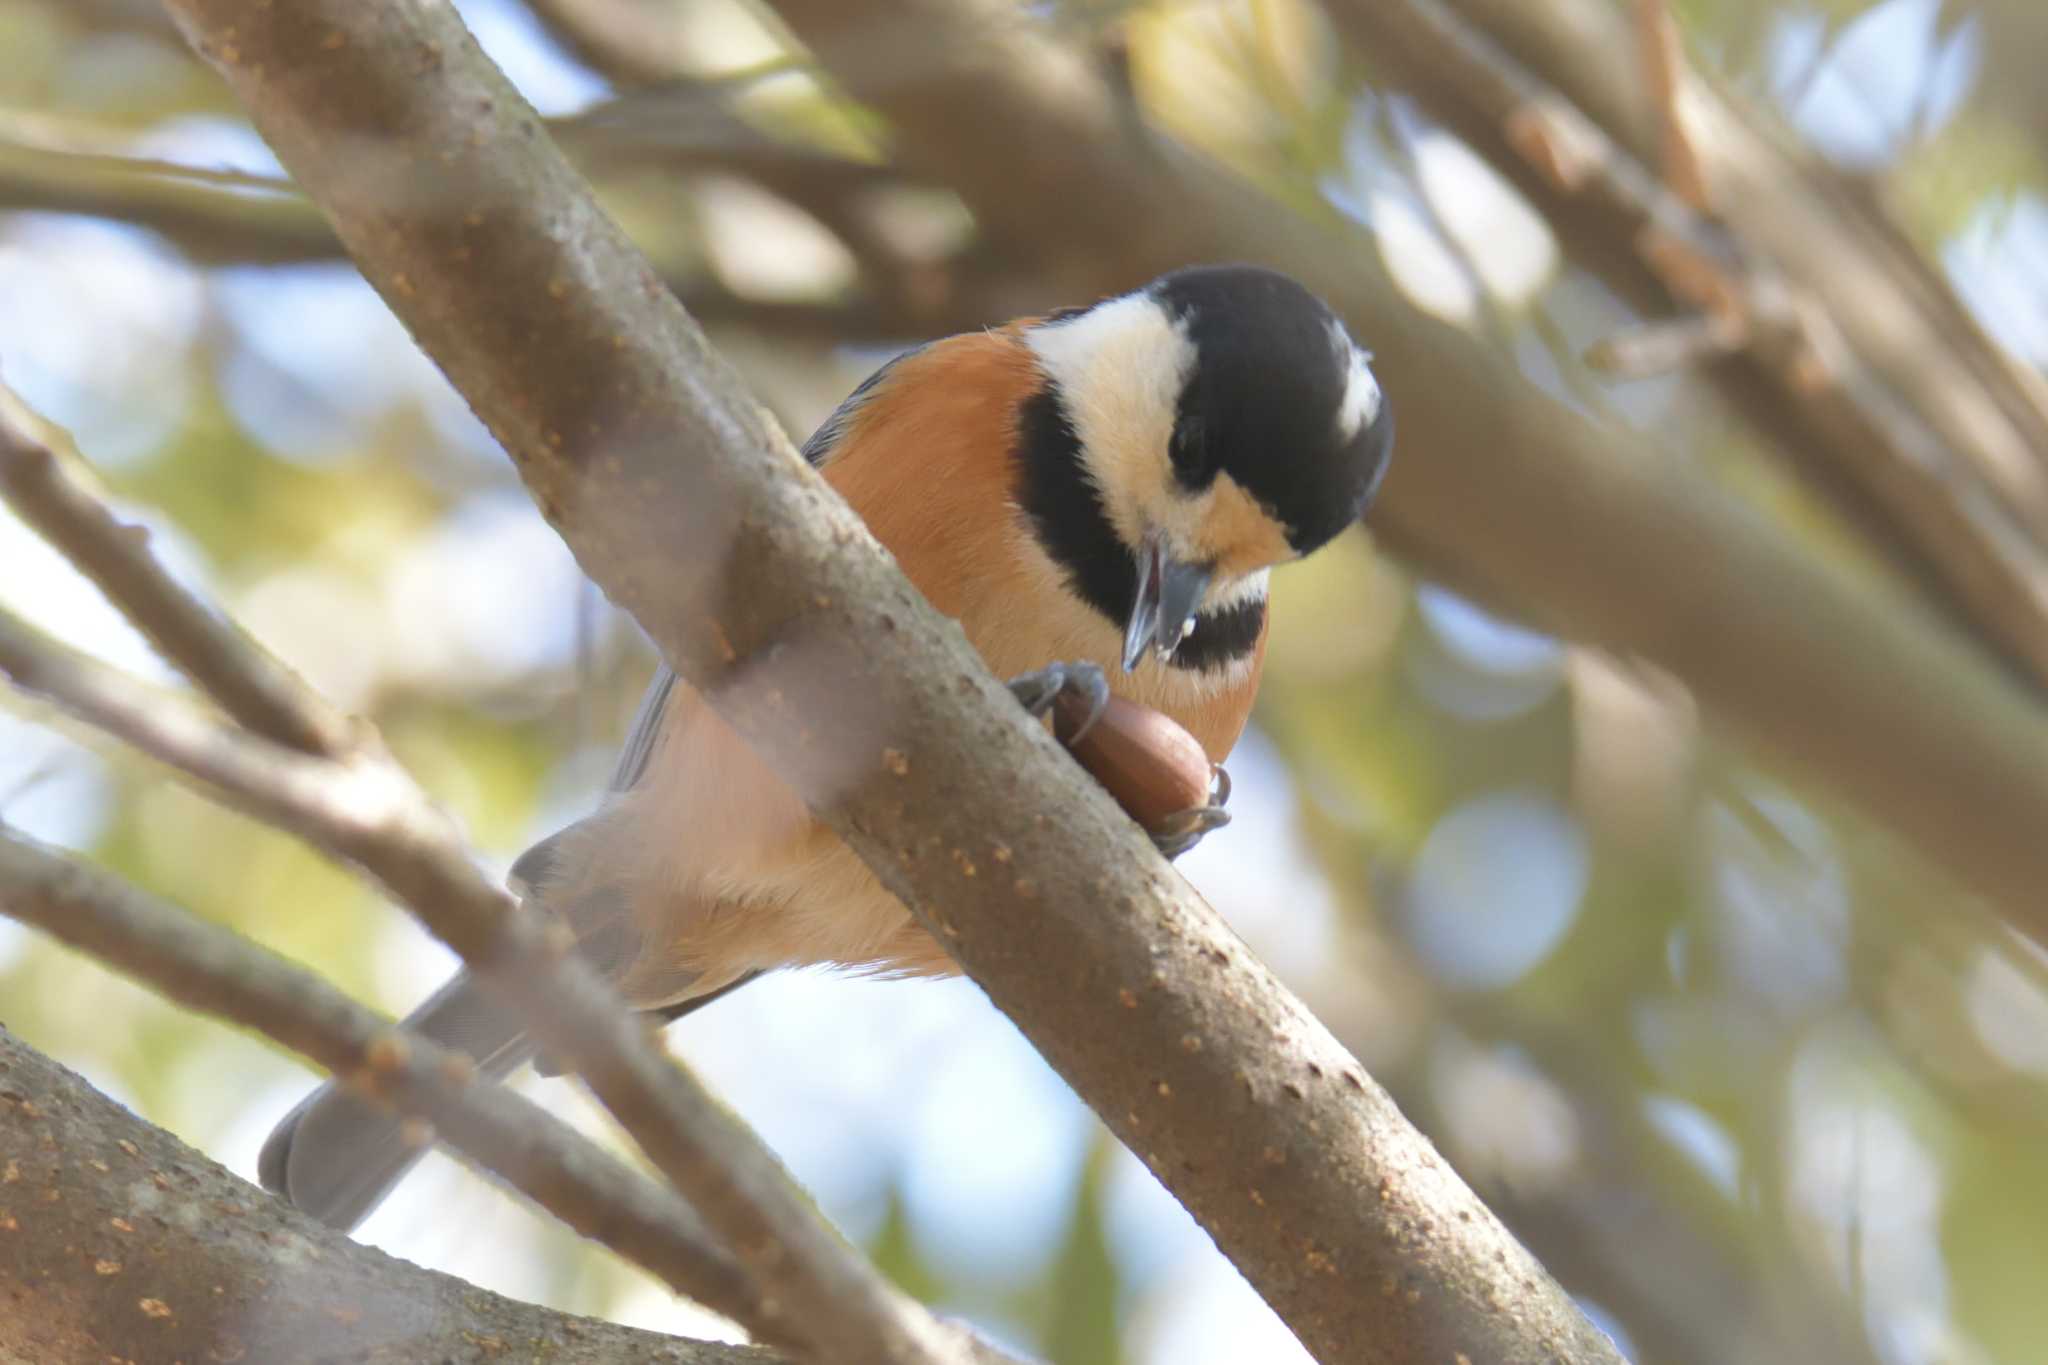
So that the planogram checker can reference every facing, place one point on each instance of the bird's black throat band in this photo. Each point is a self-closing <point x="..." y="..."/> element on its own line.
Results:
<point x="1067" y="517"/>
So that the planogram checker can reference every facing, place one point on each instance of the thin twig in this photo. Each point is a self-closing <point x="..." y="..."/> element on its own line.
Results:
<point x="1664" y="346"/>
<point x="688" y="125"/>
<point x="209" y="221"/>
<point x="234" y="217"/>
<point x="43" y="480"/>
<point x="213" y="970"/>
<point x="1663" y="57"/>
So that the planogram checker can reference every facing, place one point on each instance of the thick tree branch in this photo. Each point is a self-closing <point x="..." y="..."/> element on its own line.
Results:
<point x="1503" y="492"/>
<point x="768" y="595"/>
<point x="212" y="970"/>
<point x="118" y="1242"/>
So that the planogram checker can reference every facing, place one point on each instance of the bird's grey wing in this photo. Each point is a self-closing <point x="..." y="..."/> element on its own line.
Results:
<point x="639" y="747"/>
<point x="825" y="440"/>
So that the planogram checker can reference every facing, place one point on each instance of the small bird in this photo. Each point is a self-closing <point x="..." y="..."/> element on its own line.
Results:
<point x="1096" y="496"/>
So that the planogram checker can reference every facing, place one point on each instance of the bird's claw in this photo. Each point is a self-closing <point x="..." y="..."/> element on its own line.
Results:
<point x="1082" y="684"/>
<point x="1182" y="830"/>
<point x="1075" y="694"/>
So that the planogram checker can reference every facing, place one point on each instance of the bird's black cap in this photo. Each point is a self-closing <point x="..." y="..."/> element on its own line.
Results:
<point x="1274" y="370"/>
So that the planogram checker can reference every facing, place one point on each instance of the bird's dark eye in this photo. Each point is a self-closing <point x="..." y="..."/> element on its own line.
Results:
<point x="1188" y="448"/>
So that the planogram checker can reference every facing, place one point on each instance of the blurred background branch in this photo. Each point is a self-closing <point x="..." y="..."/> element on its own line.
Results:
<point x="1853" y="356"/>
<point x="1714" y="987"/>
<point x="1901" y="401"/>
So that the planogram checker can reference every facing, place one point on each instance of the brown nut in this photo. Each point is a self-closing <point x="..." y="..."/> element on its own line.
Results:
<point x="1143" y="758"/>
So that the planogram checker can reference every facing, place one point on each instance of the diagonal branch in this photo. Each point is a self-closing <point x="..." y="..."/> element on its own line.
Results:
<point x="43" y="479"/>
<point x="768" y="595"/>
<point x="213" y="970"/>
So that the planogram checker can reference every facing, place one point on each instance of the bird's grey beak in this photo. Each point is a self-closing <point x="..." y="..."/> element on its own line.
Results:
<point x="1163" y="610"/>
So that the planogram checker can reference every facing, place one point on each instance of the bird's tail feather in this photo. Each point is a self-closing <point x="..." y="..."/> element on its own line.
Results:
<point x="336" y="1156"/>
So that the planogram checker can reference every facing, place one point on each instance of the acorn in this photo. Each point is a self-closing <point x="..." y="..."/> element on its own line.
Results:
<point x="1145" y="759"/>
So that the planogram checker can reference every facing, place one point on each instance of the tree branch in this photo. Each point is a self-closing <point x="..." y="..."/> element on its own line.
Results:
<point x="236" y="219"/>
<point x="44" y="481"/>
<point x="629" y="43"/>
<point x="212" y="970"/>
<point x="770" y="597"/>
<point x="1941" y="464"/>
<point x="209" y="222"/>
<point x="119" y="1242"/>
<point x="218" y="224"/>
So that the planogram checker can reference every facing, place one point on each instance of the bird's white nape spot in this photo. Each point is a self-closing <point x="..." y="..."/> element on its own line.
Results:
<point x="1361" y="390"/>
<point x="1119" y="368"/>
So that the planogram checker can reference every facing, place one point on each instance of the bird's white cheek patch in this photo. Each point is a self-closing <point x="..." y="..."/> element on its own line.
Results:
<point x="1120" y="368"/>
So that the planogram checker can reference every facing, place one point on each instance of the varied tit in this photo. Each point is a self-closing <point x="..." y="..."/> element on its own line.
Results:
<point x="1094" y="495"/>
